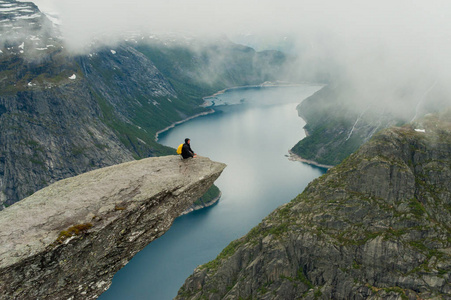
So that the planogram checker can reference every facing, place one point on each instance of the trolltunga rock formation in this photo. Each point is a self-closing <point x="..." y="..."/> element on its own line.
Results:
<point x="67" y="241"/>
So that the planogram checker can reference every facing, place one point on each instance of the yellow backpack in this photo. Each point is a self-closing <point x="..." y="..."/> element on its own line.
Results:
<point x="179" y="149"/>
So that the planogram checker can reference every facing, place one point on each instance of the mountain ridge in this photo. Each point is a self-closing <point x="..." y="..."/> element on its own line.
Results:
<point x="376" y="226"/>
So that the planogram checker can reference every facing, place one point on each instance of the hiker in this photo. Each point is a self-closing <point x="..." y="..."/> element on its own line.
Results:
<point x="186" y="149"/>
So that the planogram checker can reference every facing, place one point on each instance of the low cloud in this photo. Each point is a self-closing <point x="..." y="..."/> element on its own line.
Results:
<point x="389" y="51"/>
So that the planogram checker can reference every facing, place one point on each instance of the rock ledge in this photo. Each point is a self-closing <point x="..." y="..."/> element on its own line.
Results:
<point x="67" y="241"/>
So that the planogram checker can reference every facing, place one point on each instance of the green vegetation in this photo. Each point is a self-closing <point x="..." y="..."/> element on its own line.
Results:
<point x="225" y="253"/>
<point x="398" y="291"/>
<point x="196" y="74"/>
<point x="37" y="161"/>
<point x="72" y="231"/>
<point x="179" y="65"/>
<point x="355" y="265"/>
<point x="279" y="229"/>
<point x="129" y="134"/>
<point x="330" y="118"/>
<point x="317" y="294"/>
<point x="309" y="147"/>
<point x="77" y="151"/>
<point x="347" y="211"/>
<point x="417" y="208"/>
<point x="302" y="278"/>
<point x="211" y="194"/>
<point x="187" y="71"/>
<point x="54" y="69"/>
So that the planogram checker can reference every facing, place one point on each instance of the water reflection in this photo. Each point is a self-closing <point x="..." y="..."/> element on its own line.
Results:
<point x="252" y="139"/>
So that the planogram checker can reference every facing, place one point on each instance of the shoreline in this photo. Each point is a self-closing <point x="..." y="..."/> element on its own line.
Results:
<point x="205" y="104"/>
<point x="305" y="121"/>
<point x="182" y="121"/>
<point x="295" y="157"/>
<point x="262" y="85"/>
<point x="199" y="207"/>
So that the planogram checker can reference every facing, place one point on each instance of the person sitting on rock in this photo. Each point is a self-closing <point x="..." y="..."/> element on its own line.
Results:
<point x="187" y="152"/>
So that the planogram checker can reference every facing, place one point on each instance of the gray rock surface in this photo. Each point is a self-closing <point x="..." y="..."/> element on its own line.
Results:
<point x="67" y="240"/>
<point x="376" y="226"/>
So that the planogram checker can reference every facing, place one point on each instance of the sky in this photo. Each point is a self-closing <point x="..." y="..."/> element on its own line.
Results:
<point x="380" y="45"/>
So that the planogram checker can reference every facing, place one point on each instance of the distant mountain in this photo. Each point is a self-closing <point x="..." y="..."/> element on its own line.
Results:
<point x="339" y="121"/>
<point x="25" y="30"/>
<point x="63" y="114"/>
<point x="377" y="226"/>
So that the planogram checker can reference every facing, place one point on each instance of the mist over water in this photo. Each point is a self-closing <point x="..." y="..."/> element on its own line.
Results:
<point x="252" y="139"/>
<point x="386" y="52"/>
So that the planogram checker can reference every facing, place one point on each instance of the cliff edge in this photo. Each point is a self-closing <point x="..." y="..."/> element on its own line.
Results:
<point x="377" y="226"/>
<point x="67" y="241"/>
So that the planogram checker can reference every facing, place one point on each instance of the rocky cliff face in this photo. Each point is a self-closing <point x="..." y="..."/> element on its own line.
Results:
<point x="340" y="120"/>
<point x="74" y="235"/>
<point x="375" y="227"/>
<point x="62" y="114"/>
<point x="336" y="127"/>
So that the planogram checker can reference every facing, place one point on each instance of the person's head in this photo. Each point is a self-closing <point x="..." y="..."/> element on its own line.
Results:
<point x="187" y="140"/>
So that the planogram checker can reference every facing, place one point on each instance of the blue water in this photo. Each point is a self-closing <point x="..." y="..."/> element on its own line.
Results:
<point x="252" y="135"/>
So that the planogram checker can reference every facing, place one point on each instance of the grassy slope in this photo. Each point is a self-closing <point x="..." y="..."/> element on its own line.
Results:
<point x="187" y="71"/>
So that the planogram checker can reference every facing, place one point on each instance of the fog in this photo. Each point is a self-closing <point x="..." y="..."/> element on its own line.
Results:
<point x="388" y="51"/>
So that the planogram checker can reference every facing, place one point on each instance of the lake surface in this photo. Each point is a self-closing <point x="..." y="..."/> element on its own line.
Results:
<point x="252" y="135"/>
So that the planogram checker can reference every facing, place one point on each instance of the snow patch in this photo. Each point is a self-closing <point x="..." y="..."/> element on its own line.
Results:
<point x="9" y="9"/>
<point x="112" y="51"/>
<point x="420" y="130"/>
<point x="73" y="76"/>
<point x="28" y="17"/>
<point x="140" y="140"/>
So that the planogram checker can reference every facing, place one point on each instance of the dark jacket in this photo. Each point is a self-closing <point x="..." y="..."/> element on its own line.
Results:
<point x="187" y="151"/>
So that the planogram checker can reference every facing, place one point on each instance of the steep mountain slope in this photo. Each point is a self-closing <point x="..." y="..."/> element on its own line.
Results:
<point x="377" y="226"/>
<point x="339" y="120"/>
<point x="202" y="68"/>
<point x="49" y="119"/>
<point x="335" y="128"/>
<point x="62" y="115"/>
